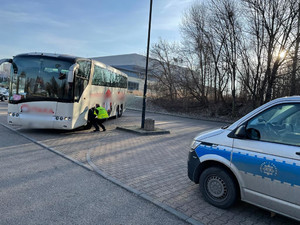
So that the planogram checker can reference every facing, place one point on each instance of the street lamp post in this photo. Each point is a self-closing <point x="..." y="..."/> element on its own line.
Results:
<point x="146" y="73"/>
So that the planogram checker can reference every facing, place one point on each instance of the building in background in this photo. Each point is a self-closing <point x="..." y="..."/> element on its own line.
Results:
<point x="133" y="65"/>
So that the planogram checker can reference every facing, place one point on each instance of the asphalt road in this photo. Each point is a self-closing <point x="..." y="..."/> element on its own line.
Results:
<point x="40" y="187"/>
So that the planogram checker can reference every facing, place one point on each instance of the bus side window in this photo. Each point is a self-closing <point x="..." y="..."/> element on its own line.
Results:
<point x="117" y="79"/>
<point x="113" y="81"/>
<point x="106" y="78"/>
<point x="82" y="78"/>
<point x="84" y="69"/>
<point x="123" y="82"/>
<point x="98" y="76"/>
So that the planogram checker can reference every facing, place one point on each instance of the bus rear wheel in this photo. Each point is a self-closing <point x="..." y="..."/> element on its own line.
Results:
<point x="119" y="111"/>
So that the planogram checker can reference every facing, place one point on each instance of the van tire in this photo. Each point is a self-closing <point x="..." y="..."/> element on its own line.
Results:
<point x="2" y="98"/>
<point x="218" y="187"/>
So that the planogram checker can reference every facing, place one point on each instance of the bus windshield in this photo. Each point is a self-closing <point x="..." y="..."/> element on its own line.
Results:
<point x="38" y="78"/>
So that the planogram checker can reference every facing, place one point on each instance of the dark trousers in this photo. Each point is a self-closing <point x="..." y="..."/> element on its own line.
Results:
<point x="95" y="122"/>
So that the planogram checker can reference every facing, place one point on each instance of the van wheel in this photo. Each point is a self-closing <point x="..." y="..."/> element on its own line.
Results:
<point x="218" y="187"/>
<point x="2" y="98"/>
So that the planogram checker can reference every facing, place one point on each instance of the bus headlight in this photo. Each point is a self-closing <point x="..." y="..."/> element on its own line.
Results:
<point x="63" y="118"/>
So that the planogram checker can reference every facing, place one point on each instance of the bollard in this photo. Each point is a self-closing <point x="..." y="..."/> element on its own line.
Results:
<point x="149" y="124"/>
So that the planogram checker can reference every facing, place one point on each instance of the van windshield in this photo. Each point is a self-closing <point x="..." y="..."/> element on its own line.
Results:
<point x="39" y="78"/>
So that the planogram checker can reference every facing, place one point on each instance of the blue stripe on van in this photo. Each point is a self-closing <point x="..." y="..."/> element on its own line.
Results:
<point x="273" y="169"/>
<point x="204" y="150"/>
<point x="257" y="165"/>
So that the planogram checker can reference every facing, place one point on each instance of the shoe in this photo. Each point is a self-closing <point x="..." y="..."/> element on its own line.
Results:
<point x="96" y="130"/>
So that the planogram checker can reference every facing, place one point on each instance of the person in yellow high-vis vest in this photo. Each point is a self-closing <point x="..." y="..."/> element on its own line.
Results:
<point x="98" y="116"/>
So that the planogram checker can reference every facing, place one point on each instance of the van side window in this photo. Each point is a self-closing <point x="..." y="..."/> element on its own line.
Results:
<point x="279" y="124"/>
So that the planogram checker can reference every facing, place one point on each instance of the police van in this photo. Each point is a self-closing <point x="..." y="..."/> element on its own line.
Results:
<point x="256" y="159"/>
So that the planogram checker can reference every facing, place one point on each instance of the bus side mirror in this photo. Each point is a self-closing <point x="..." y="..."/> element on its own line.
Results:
<point x="5" y="61"/>
<point x="72" y="71"/>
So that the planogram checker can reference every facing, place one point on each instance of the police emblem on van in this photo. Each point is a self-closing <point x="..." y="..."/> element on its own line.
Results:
<point x="268" y="168"/>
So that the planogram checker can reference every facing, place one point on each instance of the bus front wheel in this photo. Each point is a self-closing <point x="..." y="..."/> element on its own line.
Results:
<point x="87" y="126"/>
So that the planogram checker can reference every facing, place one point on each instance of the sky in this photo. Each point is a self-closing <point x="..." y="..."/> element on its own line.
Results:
<point x="86" y="28"/>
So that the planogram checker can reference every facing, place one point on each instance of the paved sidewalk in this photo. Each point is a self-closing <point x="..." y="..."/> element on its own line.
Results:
<point x="154" y="165"/>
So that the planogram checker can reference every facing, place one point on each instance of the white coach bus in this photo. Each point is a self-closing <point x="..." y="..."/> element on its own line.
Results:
<point x="56" y="91"/>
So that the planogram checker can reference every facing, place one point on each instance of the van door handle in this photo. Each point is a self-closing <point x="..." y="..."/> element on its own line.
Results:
<point x="297" y="153"/>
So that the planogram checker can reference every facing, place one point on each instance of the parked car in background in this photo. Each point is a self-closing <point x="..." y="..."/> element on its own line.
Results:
<point x="3" y="94"/>
<point x="256" y="159"/>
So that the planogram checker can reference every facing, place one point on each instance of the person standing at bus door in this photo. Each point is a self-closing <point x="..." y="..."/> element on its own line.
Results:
<point x="101" y="116"/>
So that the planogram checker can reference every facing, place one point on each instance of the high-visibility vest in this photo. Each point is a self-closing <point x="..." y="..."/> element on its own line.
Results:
<point x="102" y="113"/>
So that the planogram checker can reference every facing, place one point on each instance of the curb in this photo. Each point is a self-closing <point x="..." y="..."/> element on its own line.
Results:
<point x="184" y="116"/>
<point x="138" y="130"/>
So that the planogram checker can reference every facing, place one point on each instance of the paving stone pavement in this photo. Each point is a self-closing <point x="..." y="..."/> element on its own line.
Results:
<point x="155" y="165"/>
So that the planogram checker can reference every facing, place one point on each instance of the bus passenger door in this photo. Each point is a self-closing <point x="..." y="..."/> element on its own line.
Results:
<point x="81" y="93"/>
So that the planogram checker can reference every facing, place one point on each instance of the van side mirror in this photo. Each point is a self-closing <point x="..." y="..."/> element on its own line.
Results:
<point x="253" y="134"/>
<point x="241" y="132"/>
<point x="72" y="71"/>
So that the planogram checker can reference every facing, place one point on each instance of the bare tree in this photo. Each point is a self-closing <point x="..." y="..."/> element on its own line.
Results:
<point x="278" y="19"/>
<point x="226" y="26"/>
<point x="197" y="48"/>
<point x="295" y="58"/>
<point x="164" y="69"/>
<point x="206" y="41"/>
<point x="248" y="46"/>
<point x="252" y="55"/>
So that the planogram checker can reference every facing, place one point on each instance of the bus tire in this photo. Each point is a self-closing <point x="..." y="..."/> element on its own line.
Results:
<point x="218" y="187"/>
<point x="88" y="126"/>
<point x="119" y="111"/>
